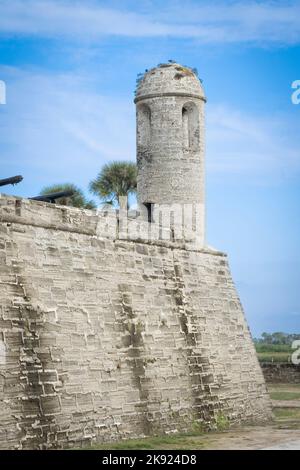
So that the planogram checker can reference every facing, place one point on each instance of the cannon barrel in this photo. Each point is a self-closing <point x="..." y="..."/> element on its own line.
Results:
<point x="52" y="196"/>
<point x="12" y="180"/>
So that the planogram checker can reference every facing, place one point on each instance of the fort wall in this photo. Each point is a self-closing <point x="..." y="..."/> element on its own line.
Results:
<point x="104" y="337"/>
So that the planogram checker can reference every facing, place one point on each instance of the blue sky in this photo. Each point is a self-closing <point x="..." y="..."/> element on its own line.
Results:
<point x="70" y="71"/>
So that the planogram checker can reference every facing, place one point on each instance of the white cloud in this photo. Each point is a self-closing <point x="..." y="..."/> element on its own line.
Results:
<point x="262" y="148"/>
<point x="237" y="21"/>
<point x="56" y="128"/>
<point x="69" y="18"/>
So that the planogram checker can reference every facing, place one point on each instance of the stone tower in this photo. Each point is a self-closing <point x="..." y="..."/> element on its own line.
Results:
<point x="170" y="142"/>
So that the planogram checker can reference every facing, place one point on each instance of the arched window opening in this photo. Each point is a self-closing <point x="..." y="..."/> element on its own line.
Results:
<point x="143" y="125"/>
<point x="185" y="127"/>
<point x="190" y="126"/>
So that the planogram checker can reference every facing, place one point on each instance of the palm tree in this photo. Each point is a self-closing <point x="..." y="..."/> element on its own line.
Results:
<point x="77" y="200"/>
<point x="114" y="180"/>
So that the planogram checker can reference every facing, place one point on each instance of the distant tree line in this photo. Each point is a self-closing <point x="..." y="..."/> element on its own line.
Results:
<point x="277" y="338"/>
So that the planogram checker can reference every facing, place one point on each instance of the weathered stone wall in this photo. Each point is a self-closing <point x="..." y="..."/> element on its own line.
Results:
<point x="104" y="339"/>
<point x="169" y="170"/>
<point x="281" y="373"/>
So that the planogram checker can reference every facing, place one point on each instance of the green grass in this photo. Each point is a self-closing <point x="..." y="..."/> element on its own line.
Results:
<point x="274" y="356"/>
<point x="284" y="395"/>
<point x="181" y="441"/>
<point x="287" y="413"/>
<point x="287" y="387"/>
<point x="262" y="347"/>
<point x="284" y="391"/>
<point x="273" y="352"/>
